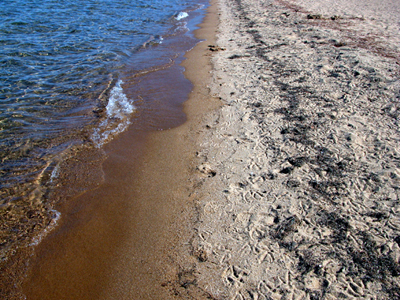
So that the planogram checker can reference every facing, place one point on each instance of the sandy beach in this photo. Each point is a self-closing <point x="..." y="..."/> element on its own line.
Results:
<point x="283" y="183"/>
<point x="300" y="198"/>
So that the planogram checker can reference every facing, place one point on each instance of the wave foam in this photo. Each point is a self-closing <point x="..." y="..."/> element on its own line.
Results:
<point x="118" y="110"/>
<point x="182" y="15"/>
<point x="56" y="215"/>
<point x="118" y="105"/>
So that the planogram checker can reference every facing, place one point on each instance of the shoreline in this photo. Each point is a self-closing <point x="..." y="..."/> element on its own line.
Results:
<point x="127" y="245"/>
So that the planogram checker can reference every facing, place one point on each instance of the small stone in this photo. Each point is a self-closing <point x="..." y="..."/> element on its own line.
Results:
<point x="314" y="17"/>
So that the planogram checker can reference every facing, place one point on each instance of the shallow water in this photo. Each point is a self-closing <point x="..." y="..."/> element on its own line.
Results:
<point x="74" y="75"/>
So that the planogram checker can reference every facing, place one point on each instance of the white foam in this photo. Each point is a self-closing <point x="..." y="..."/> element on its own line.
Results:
<point x="119" y="110"/>
<point x="182" y="15"/>
<point x="54" y="174"/>
<point x="118" y="105"/>
<point x="53" y="223"/>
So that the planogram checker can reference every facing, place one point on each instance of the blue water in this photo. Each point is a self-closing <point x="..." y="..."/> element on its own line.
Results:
<point x="63" y="66"/>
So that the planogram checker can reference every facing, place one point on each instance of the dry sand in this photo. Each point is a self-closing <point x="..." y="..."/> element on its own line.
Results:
<point x="300" y="168"/>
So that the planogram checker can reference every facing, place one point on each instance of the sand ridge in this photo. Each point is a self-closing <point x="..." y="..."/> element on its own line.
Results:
<point x="299" y="171"/>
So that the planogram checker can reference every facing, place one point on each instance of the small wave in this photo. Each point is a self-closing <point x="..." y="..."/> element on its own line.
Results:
<point x="56" y="215"/>
<point x="182" y="15"/>
<point x="118" y="110"/>
<point x="54" y="174"/>
<point x="153" y="40"/>
<point x="181" y="28"/>
<point x="118" y="105"/>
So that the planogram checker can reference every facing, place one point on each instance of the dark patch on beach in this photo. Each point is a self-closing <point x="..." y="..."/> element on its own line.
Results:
<point x="369" y="261"/>
<point x="187" y="278"/>
<point x="335" y="17"/>
<point x="298" y="161"/>
<point x="291" y="183"/>
<point x="186" y="286"/>
<point x="340" y="44"/>
<point x="286" y="227"/>
<point x="286" y="170"/>
<point x="235" y="56"/>
<point x="307" y="262"/>
<point x="314" y="17"/>
<point x="206" y="170"/>
<point x="215" y="48"/>
<point x="372" y="262"/>
<point x="337" y="223"/>
<point x="329" y="188"/>
<point x="378" y="215"/>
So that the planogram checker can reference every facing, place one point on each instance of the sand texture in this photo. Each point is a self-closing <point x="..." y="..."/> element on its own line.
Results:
<point x="299" y="171"/>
